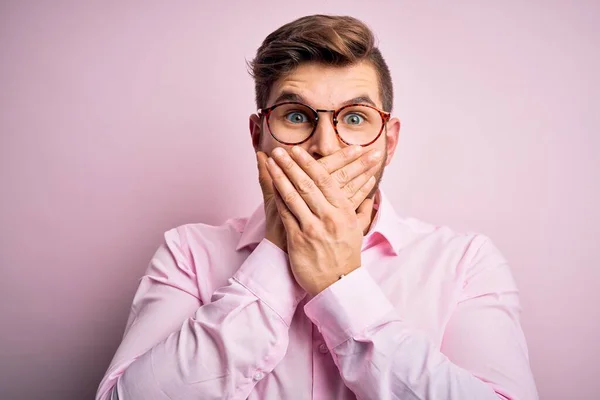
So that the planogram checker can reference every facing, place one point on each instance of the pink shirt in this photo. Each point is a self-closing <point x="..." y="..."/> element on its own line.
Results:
<point x="431" y="314"/>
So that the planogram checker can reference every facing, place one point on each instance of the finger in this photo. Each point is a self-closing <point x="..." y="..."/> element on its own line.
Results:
<point x="290" y="223"/>
<point x="360" y="196"/>
<point x="321" y="178"/>
<point x="340" y="158"/>
<point x="304" y="183"/>
<point x="357" y="185"/>
<point x="357" y="167"/>
<point x="290" y="196"/>
<point x="364" y="214"/>
<point x="264" y="179"/>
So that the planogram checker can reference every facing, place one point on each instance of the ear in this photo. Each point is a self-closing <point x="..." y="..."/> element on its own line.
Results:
<point x="392" y="134"/>
<point x="255" y="130"/>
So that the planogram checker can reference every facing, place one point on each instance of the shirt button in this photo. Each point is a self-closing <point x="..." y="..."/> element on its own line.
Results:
<point x="258" y="376"/>
<point x="323" y="348"/>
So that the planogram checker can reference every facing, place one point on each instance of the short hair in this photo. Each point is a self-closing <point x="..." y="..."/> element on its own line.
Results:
<point x="330" y="40"/>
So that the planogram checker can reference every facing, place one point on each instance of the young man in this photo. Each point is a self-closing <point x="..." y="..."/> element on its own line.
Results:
<point x="324" y="292"/>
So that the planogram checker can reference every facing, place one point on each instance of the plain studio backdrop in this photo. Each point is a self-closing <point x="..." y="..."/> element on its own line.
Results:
<point x="121" y="120"/>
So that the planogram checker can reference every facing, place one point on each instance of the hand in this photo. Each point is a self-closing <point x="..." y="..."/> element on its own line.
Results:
<point x="274" y="230"/>
<point x="324" y="230"/>
<point x="350" y="167"/>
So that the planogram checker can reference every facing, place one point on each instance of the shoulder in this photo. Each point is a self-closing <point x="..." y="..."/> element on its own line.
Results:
<point x="469" y="249"/>
<point x="194" y="236"/>
<point x="207" y="253"/>
<point x="466" y="257"/>
<point x="445" y="236"/>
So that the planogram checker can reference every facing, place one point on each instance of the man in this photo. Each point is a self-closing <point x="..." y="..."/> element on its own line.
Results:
<point x="324" y="292"/>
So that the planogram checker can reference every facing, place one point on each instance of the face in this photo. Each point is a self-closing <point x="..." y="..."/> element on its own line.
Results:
<point x="327" y="87"/>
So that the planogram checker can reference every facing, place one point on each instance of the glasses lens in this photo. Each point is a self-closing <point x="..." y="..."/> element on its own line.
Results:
<point x="291" y="123"/>
<point x="359" y="124"/>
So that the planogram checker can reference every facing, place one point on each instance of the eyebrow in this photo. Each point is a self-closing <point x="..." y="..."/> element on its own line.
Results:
<point x="291" y="96"/>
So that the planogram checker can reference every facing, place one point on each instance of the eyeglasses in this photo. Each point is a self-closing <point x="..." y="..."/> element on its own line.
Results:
<point x="294" y="123"/>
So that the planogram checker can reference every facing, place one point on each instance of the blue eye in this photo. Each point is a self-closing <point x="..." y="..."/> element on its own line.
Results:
<point x="353" y="119"/>
<point x="296" y="117"/>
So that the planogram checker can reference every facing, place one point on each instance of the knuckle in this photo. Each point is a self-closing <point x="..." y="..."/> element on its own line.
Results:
<point x="342" y="176"/>
<point x="324" y="180"/>
<point x="297" y="238"/>
<point x="265" y="177"/>
<point x="330" y="222"/>
<point x="311" y="231"/>
<point x="265" y="185"/>
<point x="288" y="163"/>
<point x="346" y="154"/>
<point x="263" y="182"/>
<point x="306" y="186"/>
<point x="365" y="163"/>
<point x="325" y="163"/>
<point x="350" y="188"/>
<point x="309" y="162"/>
<point x="290" y="197"/>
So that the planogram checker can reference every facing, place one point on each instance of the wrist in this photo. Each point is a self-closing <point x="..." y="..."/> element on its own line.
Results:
<point x="277" y="240"/>
<point x="329" y="281"/>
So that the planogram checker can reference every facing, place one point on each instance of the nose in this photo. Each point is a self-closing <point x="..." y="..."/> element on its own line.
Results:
<point x="324" y="140"/>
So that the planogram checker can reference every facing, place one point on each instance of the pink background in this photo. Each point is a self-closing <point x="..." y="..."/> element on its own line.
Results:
<point x="119" y="121"/>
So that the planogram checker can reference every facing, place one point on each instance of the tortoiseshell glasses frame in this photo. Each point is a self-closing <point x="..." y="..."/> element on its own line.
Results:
<point x="266" y="112"/>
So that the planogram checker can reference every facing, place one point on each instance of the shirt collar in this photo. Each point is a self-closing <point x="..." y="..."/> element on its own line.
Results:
<point x="254" y="230"/>
<point x="386" y="223"/>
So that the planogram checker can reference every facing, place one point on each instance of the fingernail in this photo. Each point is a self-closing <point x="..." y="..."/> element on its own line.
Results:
<point x="375" y="155"/>
<point x="355" y="150"/>
<point x="279" y="152"/>
<point x="299" y="153"/>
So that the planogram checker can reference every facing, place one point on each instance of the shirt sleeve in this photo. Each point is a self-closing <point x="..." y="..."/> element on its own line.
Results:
<point x="176" y="347"/>
<point x="380" y="356"/>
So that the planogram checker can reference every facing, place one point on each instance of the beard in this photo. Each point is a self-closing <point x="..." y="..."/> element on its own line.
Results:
<point x="378" y="176"/>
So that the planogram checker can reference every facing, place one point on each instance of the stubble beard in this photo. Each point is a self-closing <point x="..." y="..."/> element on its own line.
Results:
<point x="378" y="176"/>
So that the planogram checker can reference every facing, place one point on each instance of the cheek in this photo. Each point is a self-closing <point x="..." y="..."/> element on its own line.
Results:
<point x="268" y="143"/>
<point x="266" y="146"/>
<point x="381" y="145"/>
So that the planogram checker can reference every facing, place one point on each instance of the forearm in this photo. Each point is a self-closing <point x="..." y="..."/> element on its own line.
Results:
<point x="214" y="355"/>
<point x="406" y="367"/>
<point x="380" y="356"/>
<point x="220" y="350"/>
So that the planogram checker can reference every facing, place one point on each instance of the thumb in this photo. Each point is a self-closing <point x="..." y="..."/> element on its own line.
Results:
<point x="363" y="213"/>
<point x="264" y="179"/>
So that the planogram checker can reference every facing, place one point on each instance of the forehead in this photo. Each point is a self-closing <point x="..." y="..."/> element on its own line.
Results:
<point x="325" y="86"/>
